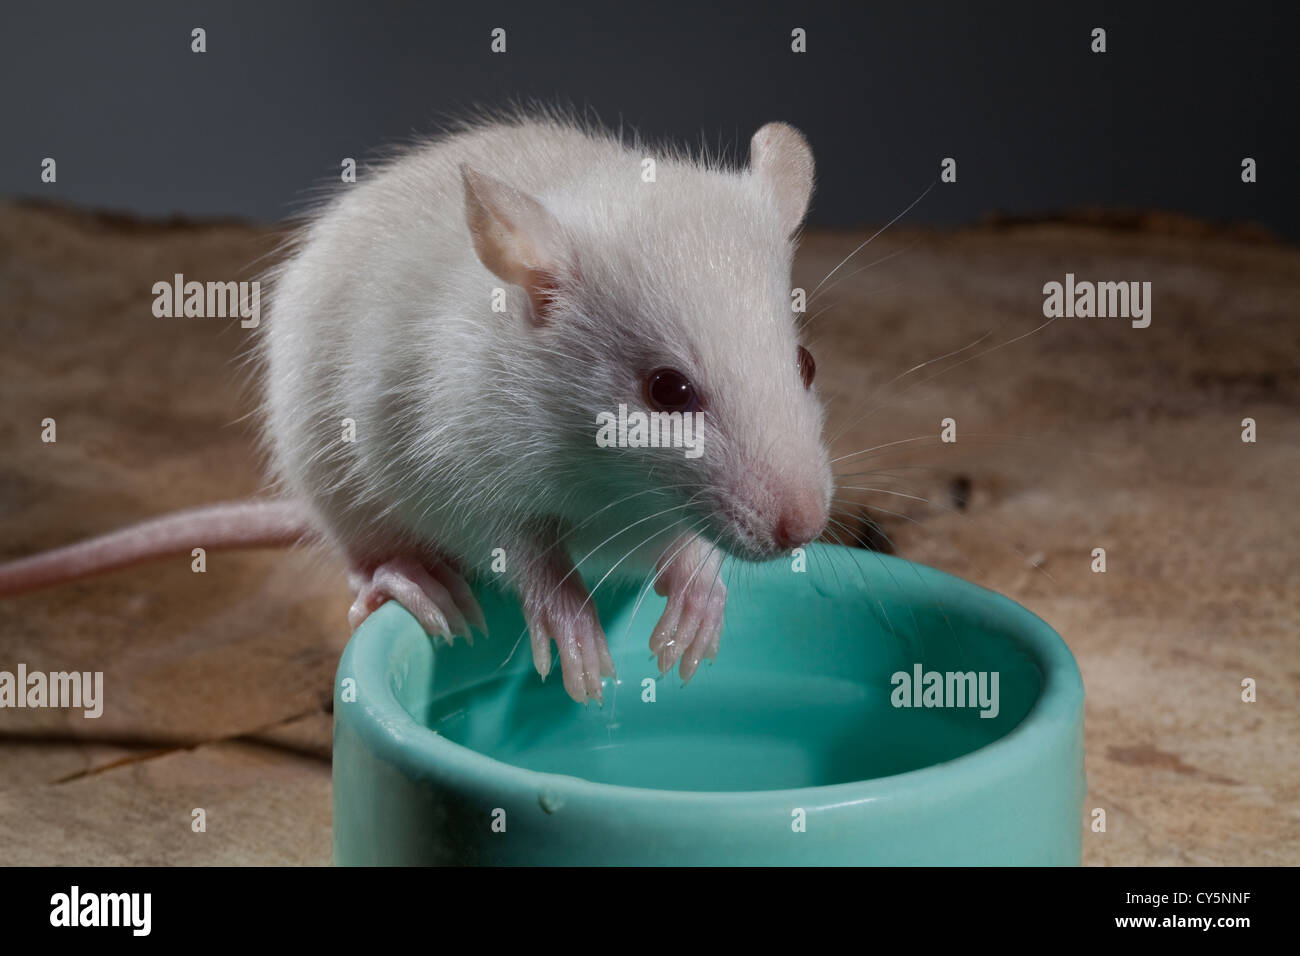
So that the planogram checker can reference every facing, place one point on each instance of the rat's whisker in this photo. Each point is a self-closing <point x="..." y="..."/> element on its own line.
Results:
<point x="861" y="269"/>
<point x="656" y="533"/>
<point x="661" y="489"/>
<point x="949" y="368"/>
<point x="577" y="564"/>
<point x="916" y="626"/>
<point x="984" y="439"/>
<point x="869" y="239"/>
<point x="952" y="511"/>
<point x="689" y="537"/>
<point x="883" y="613"/>
<point x="935" y="603"/>
<point x="823" y="331"/>
<point x="883" y="445"/>
<point x="902" y="375"/>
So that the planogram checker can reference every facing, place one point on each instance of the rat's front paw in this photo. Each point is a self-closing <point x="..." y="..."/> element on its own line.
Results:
<point x="563" y="613"/>
<point x="435" y="594"/>
<point x="692" y="622"/>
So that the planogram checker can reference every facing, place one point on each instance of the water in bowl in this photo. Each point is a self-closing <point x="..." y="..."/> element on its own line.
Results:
<point x="803" y="693"/>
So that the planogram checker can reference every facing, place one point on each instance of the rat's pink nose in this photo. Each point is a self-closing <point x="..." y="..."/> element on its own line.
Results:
<point x="801" y="521"/>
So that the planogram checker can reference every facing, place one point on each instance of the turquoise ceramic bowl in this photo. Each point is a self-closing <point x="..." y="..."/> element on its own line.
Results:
<point x="792" y="749"/>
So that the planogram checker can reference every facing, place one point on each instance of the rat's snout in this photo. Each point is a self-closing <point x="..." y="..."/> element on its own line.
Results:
<point x="801" y="518"/>
<point x="774" y="504"/>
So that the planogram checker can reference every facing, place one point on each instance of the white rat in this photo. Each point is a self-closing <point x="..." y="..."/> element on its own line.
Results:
<point x="475" y="428"/>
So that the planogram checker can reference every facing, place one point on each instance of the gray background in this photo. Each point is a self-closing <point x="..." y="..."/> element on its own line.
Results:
<point x="1038" y="123"/>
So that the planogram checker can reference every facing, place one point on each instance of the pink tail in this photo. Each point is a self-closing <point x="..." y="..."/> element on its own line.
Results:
<point x="239" y="524"/>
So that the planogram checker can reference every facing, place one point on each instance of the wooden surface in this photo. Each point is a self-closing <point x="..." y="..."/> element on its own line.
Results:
<point x="1086" y="434"/>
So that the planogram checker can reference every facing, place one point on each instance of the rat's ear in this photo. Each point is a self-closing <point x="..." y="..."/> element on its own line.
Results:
<point x="515" y="237"/>
<point x="781" y="157"/>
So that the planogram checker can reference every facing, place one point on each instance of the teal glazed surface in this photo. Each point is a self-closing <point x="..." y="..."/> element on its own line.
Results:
<point x="794" y="722"/>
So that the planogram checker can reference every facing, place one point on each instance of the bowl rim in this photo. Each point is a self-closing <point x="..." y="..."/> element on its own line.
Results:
<point x="397" y="738"/>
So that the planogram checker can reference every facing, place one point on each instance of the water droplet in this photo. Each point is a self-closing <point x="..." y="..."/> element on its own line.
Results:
<point x="549" y="801"/>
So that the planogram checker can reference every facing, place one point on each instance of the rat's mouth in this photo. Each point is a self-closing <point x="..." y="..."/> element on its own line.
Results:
<point x="763" y="514"/>
<point x="745" y="550"/>
<point x="744" y="533"/>
<point x="734" y="535"/>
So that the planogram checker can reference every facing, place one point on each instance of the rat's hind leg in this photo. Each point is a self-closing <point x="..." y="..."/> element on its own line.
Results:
<point x="690" y="575"/>
<point x="435" y="594"/>
<point x="557" y="607"/>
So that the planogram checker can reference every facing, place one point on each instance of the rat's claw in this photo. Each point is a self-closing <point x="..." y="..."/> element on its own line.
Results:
<point x="569" y="618"/>
<point x="705" y="644"/>
<point x="690" y="626"/>
<point x="590" y="663"/>
<point x="541" y="642"/>
<point x="664" y="637"/>
<point x="429" y="599"/>
<point x="693" y="609"/>
<point x="571" y="667"/>
<point x="462" y="597"/>
<point x="606" y="662"/>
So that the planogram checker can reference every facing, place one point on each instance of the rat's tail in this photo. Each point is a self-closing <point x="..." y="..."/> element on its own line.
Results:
<point x="257" y="523"/>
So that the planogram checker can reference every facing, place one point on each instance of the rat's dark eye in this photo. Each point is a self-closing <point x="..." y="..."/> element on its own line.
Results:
<point x="668" y="390"/>
<point x="807" y="367"/>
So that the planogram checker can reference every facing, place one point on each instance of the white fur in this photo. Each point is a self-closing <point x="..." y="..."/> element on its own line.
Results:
<point x="476" y="430"/>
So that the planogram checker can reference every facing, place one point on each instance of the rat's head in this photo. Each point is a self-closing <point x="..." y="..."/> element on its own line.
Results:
<point x="657" y="301"/>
